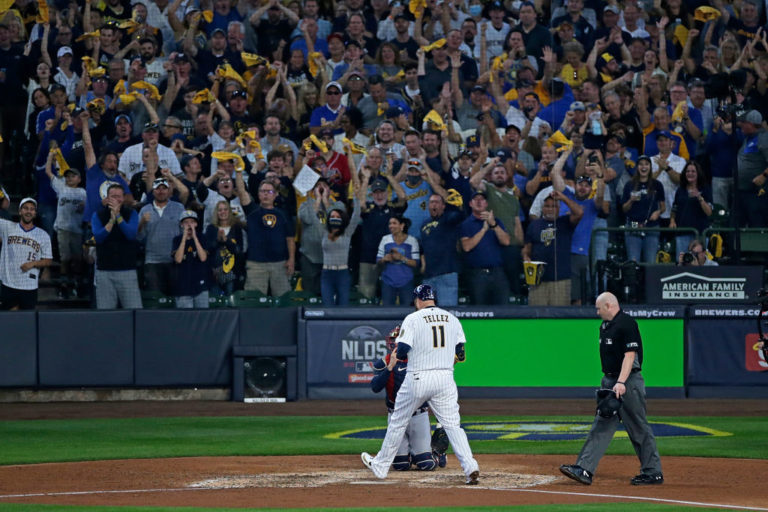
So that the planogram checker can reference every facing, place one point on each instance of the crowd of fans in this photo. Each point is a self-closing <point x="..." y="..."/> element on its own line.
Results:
<point x="199" y="147"/>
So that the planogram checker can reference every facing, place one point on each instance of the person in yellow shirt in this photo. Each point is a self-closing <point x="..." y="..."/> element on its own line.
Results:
<point x="575" y="71"/>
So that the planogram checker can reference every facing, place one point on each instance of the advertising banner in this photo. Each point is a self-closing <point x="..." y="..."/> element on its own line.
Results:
<point x="722" y="347"/>
<point x="540" y="352"/>
<point x="665" y="284"/>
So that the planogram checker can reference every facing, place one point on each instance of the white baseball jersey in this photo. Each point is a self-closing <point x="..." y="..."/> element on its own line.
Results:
<point x="131" y="161"/>
<point x="20" y="246"/>
<point x="432" y="333"/>
<point x="70" y="206"/>
<point x="677" y="164"/>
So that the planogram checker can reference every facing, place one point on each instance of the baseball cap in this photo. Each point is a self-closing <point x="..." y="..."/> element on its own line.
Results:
<point x="578" y="105"/>
<point x="401" y="16"/>
<point x="181" y="57"/>
<point x="63" y="51"/>
<point x="424" y="292"/>
<point x="753" y="116"/>
<point x="663" y="133"/>
<point x="160" y="182"/>
<point x="606" y="57"/>
<point x="584" y="178"/>
<point x="123" y="116"/>
<point x="188" y="214"/>
<point x="644" y="157"/>
<point x="335" y="35"/>
<point x="356" y="73"/>
<point x="325" y="132"/>
<point x="27" y="200"/>
<point x="73" y="171"/>
<point x="333" y="84"/>
<point x="498" y="5"/>
<point x="148" y="127"/>
<point x="611" y="8"/>
<point x="394" y="112"/>
<point x="478" y="88"/>
<point x="239" y="94"/>
<point x="472" y="141"/>
<point x="479" y="193"/>
<point x="504" y="154"/>
<point x="352" y="42"/>
<point x="378" y="184"/>
<point x="218" y="30"/>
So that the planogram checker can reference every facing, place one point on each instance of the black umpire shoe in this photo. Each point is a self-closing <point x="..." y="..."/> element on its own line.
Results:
<point x="648" y="479"/>
<point x="577" y="473"/>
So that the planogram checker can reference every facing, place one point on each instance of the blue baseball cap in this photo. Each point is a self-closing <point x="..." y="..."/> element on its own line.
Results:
<point x="664" y="133"/>
<point x="424" y="292"/>
<point x="123" y="116"/>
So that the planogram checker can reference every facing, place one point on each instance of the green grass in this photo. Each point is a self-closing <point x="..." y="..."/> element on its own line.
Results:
<point x="26" y="442"/>
<point x="601" y="507"/>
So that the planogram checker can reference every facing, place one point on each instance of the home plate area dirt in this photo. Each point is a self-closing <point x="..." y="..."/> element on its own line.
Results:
<point x="342" y="481"/>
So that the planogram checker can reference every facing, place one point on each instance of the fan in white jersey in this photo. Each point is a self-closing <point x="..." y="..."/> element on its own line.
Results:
<point x="432" y="339"/>
<point x="26" y="249"/>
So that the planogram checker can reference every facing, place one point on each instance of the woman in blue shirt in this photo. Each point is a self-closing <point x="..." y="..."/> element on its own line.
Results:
<point x="399" y="255"/>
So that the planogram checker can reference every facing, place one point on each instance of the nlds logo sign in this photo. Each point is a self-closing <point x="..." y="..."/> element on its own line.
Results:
<point x="755" y="358"/>
<point x="363" y="343"/>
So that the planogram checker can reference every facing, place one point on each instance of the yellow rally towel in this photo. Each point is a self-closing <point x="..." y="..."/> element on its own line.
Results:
<point x="434" y="119"/>
<point x="119" y="88"/>
<point x="97" y="72"/>
<point x="251" y="59"/>
<point x="89" y="63"/>
<point x="255" y="147"/>
<point x="141" y="85"/>
<point x="558" y="138"/>
<point x="43" y="15"/>
<point x="356" y="148"/>
<point x="88" y="35"/>
<point x="208" y="16"/>
<point x="226" y="155"/>
<point x="677" y="114"/>
<point x="226" y="71"/>
<point x="96" y="105"/>
<point x="454" y="198"/>
<point x="417" y="6"/>
<point x="497" y="65"/>
<point x="61" y="163"/>
<point x="319" y="144"/>
<point x="705" y="13"/>
<point x="203" y="96"/>
<point x="313" y="68"/>
<point x="437" y="44"/>
<point x="129" y="26"/>
<point x="680" y="34"/>
<point x="127" y="99"/>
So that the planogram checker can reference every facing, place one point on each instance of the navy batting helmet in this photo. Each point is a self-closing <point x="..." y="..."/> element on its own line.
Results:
<point x="424" y="292"/>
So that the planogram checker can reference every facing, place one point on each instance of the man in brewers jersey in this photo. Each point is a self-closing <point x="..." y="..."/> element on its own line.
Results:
<point x="432" y="339"/>
<point x="26" y="249"/>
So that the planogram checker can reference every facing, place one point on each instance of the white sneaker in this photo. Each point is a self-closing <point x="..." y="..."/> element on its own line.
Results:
<point x="367" y="460"/>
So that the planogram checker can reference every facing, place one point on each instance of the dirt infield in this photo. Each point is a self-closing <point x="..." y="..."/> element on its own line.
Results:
<point x="342" y="481"/>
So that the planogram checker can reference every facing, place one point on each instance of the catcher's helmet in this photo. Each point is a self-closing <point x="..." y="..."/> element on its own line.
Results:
<point x="424" y="292"/>
<point x="608" y="405"/>
<point x="392" y="338"/>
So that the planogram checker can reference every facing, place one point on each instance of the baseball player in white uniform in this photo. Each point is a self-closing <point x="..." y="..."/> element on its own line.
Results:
<point x="26" y="249"/>
<point x="432" y="339"/>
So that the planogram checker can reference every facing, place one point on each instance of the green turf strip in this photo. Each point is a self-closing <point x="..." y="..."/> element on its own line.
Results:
<point x="25" y="442"/>
<point x="602" y="507"/>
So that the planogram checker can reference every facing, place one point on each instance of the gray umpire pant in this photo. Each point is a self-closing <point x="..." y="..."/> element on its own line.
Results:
<point x="632" y="415"/>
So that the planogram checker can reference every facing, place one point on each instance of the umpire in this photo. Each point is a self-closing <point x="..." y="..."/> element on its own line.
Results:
<point x="621" y="355"/>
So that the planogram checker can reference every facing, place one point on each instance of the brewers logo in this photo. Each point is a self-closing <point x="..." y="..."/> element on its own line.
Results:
<point x="269" y="220"/>
<point x="547" y="236"/>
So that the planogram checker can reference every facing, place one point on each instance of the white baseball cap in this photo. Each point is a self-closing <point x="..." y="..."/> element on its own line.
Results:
<point x="63" y="51"/>
<point x="27" y="200"/>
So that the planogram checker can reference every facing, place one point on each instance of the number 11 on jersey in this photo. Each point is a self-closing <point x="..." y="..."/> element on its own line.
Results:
<point x="435" y="336"/>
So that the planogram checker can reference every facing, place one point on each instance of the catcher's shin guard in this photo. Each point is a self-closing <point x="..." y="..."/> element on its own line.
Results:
<point x="425" y="461"/>
<point x="401" y="463"/>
